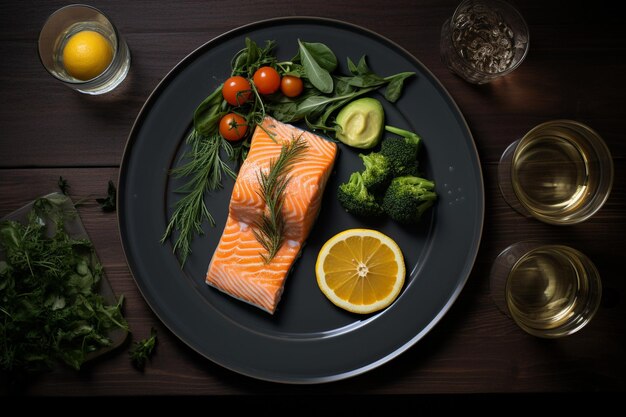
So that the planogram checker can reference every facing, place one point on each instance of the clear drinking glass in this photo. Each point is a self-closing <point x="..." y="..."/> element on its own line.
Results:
<point x="484" y="40"/>
<point x="70" y="20"/>
<point x="550" y="291"/>
<point x="560" y="172"/>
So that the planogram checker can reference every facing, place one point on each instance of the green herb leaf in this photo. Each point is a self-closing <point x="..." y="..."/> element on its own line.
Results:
<point x="364" y="80"/>
<point x="315" y="104"/>
<point x="322" y="54"/>
<point x="205" y="168"/>
<point x="248" y="60"/>
<point x="315" y="72"/>
<point x="108" y="203"/>
<point x="362" y="67"/>
<point x="396" y="83"/>
<point x="207" y="116"/>
<point x="351" y="67"/>
<point x="142" y="351"/>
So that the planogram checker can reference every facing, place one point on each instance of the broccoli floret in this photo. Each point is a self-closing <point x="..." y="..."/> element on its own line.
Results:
<point x="355" y="199"/>
<point x="402" y="156"/>
<point x="401" y="152"/>
<point x="407" y="198"/>
<point x="378" y="172"/>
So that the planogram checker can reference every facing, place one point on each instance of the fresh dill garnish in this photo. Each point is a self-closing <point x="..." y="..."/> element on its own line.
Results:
<point x="204" y="168"/>
<point x="269" y="231"/>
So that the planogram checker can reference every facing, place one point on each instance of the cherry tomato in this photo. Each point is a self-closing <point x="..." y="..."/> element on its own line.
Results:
<point x="266" y="80"/>
<point x="237" y="90"/>
<point x="291" y="86"/>
<point x="233" y="127"/>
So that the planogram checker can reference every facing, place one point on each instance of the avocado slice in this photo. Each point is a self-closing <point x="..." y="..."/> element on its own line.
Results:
<point x="360" y="123"/>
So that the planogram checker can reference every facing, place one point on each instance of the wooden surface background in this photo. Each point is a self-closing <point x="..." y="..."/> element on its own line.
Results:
<point x="575" y="69"/>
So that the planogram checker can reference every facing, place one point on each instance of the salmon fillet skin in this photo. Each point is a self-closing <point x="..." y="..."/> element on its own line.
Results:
<point x="237" y="267"/>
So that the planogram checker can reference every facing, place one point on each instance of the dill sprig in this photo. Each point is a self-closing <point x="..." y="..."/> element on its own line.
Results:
<point x="204" y="169"/>
<point x="269" y="231"/>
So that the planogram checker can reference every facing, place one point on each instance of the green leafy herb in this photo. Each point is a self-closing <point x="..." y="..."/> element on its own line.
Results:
<point x="394" y="88"/>
<point x="142" y="350"/>
<point x="50" y="310"/>
<point x="207" y="116"/>
<point x="108" y="203"/>
<point x="63" y="185"/>
<point x="204" y="168"/>
<point x="315" y="66"/>
<point x="322" y="54"/>
<point x="270" y="227"/>
<point x="252" y="57"/>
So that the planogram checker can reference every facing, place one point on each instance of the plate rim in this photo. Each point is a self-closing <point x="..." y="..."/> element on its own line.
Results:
<point x="469" y="260"/>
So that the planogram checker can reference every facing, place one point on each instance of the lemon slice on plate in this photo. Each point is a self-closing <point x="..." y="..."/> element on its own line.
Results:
<point x="360" y="270"/>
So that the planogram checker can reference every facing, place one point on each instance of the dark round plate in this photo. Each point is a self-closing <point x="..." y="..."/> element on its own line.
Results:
<point x="308" y="339"/>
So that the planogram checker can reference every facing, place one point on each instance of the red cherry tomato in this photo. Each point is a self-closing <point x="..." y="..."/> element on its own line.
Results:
<point x="266" y="80"/>
<point x="237" y="90"/>
<point x="291" y="86"/>
<point x="233" y="127"/>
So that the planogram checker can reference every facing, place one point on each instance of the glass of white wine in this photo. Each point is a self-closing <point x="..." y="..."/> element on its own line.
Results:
<point x="549" y="290"/>
<point x="560" y="172"/>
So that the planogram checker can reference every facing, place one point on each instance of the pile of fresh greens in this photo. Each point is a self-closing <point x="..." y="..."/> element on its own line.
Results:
<point x="225" y="120"/>
<point x="50" y="309"/>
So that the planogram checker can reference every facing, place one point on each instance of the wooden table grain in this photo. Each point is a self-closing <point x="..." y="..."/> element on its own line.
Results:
<point x="575" y="69"/>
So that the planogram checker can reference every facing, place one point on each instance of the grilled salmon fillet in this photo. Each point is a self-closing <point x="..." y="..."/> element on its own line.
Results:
<point x="237" y="267"/>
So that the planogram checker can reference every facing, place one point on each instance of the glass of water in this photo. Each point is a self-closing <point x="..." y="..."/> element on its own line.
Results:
<point x="560" y="172"/>
<point x="549" y="290"/>
<point x="81" y="47"/>
<point x="484" y="40"/>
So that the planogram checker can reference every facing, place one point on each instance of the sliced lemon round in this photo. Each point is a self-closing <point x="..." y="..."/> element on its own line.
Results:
<point x="360" y="270"/>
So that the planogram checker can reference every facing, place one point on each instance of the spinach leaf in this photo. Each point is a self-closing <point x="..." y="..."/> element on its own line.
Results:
<point x="396" y="83"/>
<point x="360" y="69"/>
<point x="351" y="67"/>
<point x="208" y="114"/>
<point x="318" y="75"/>
<point x="314" y="103"/>
<point x="363" y="80"/>
<point x="322" y="54"/>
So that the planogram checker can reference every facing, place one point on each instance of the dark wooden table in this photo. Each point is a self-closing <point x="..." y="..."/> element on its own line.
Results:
<point x="575" y="69"/>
